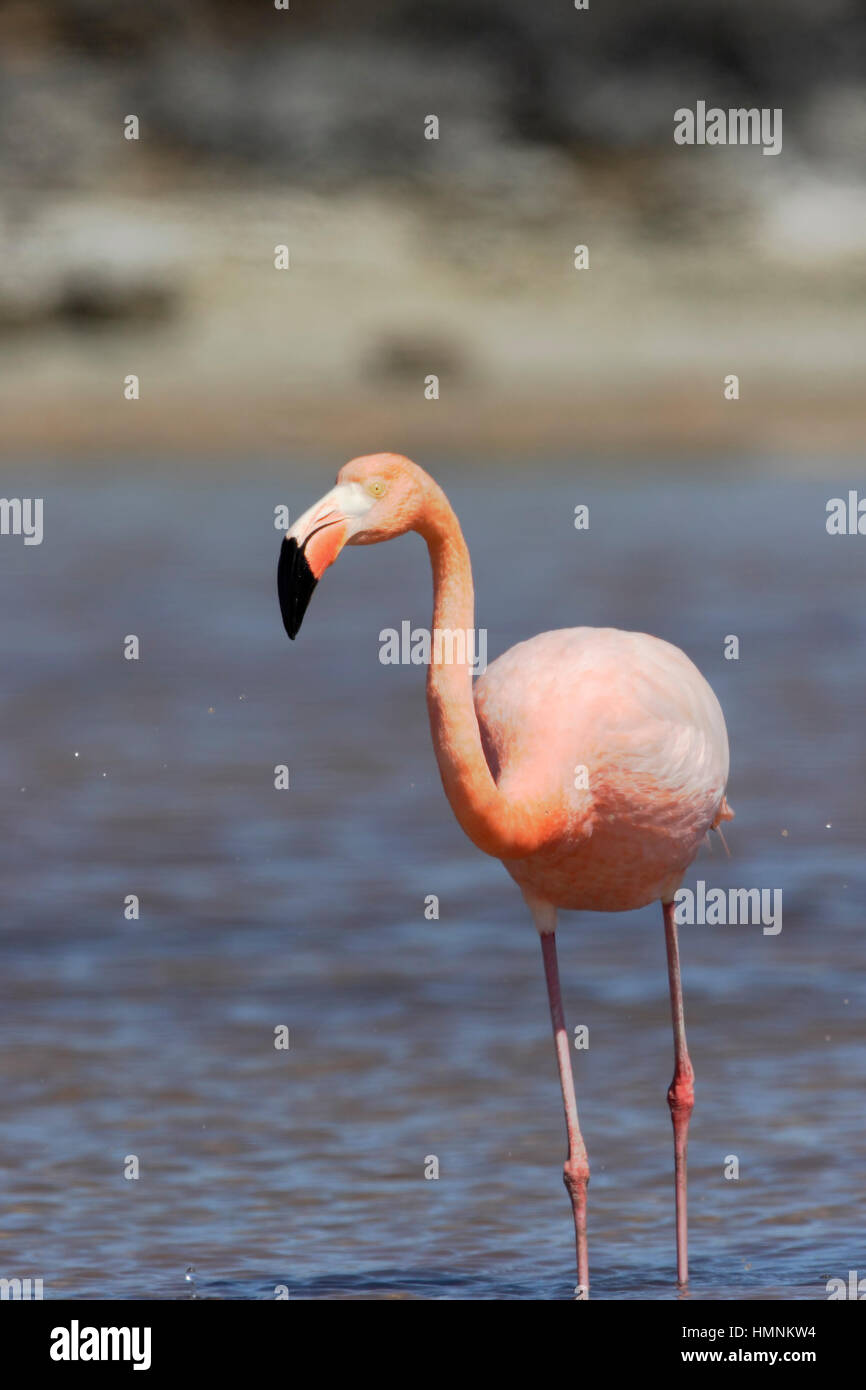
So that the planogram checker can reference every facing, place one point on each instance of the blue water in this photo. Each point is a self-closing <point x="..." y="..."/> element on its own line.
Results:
<point x="305" y="907"/>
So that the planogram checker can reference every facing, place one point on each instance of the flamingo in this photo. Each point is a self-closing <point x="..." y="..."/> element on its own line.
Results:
<point x="629" y="711"/>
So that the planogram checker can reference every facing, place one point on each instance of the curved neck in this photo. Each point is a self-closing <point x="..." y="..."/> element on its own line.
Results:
<point x="492" y="823"/>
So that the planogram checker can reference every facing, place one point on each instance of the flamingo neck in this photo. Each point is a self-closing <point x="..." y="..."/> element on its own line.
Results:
<point x="492" y="823"/>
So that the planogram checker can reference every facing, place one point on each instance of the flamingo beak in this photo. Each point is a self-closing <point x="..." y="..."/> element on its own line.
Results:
<point x="312" y="544"/>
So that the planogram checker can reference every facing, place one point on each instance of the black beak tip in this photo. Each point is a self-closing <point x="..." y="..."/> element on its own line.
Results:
<point x="295" y="585"/>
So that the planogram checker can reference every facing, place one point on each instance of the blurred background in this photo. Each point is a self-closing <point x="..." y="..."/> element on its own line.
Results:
<point x="411" y="256"/>
<point x="305" y="909"/>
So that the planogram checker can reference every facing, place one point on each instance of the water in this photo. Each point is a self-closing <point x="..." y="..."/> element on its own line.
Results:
<point x="305" y="908"/>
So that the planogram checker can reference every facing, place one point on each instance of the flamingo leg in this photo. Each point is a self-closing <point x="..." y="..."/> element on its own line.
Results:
<point x="576" y="1168"/>
<point x="681" y="1094"/>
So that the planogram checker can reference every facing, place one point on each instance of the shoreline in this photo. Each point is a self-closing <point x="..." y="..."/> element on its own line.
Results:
<point x="679" y="420"/>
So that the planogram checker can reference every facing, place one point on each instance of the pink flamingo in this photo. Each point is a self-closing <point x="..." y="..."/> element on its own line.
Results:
<point x="591" y="761"/>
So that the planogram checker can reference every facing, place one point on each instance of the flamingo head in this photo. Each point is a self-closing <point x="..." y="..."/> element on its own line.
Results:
<point x="374" y="498"/>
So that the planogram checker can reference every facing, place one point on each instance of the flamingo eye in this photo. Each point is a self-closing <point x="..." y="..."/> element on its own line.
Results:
<point x="376" y="487"/>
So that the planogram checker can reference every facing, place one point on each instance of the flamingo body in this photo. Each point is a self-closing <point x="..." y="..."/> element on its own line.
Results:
<point x="630" y="716"/>
<point x="591" y="762"/>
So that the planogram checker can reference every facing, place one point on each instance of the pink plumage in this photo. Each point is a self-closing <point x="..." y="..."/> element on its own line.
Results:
<point x="622" y="733"/>
<point x="591" y="761"/>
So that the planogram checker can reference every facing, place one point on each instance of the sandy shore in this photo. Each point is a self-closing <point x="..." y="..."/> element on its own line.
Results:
<point x="678" y="422"/>
<point x="533" y="358"/>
